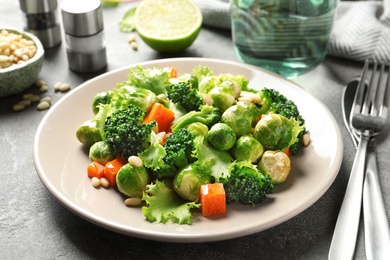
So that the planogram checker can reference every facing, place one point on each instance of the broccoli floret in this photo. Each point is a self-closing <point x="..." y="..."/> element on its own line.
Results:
<point x="166" y="160"/>
<point x="245" y="184"/>
<point x="184" y="94"/>
<point x="125" y="133"/>
<point x="179" y="148"/>
<point x="208" y="115"/>
<point x="274" y="102"/>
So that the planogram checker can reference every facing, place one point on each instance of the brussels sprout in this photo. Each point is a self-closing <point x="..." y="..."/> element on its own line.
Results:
<point x="276" y="132"/>
<point x="247" y="148"/>
<point x="198" y="129"/>
<point x="239" y="118"/>
<point x="223" y="97"/>
<point x="221" y="136"/>
<point x="188" y="181"/>
<point x="131" y="181"/>
<point x="100" y="98"/>
<point x="100" y="152"/>
<point x="89" y="133"/>
<point x="275" y="164"/>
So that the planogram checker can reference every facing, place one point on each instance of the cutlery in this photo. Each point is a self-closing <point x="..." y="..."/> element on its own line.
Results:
<point x="367" y="119"/>
<point x="377" y="232"/>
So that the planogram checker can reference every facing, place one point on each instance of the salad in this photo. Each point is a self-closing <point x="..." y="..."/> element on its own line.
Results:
<point x="172" y="144"/>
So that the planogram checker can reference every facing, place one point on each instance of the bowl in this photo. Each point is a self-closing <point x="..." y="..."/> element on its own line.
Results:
<point x="19" y="77"/>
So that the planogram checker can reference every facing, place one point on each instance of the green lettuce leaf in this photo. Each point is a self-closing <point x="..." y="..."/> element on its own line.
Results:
<point x="127" y="24"/>
<point x="163" y="204"/>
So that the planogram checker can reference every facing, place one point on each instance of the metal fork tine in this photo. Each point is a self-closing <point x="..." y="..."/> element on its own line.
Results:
<point x="378" y="102"/>
<point x="358" y="101"/>
<point x="386" y="99"/>
<point x="371" y="91"/>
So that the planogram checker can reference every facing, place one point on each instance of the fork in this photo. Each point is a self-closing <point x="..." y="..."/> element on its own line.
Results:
<point x="368" y="118"/>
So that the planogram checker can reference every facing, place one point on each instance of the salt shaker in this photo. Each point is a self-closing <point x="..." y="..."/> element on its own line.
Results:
<point x="41" y="19"/>
<point x="84" y="35"/>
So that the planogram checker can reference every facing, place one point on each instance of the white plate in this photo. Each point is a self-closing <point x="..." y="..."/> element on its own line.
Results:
<point x="61" y="163"/>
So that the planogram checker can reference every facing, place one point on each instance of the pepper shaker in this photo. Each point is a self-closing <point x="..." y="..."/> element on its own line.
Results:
<point x="84" y="35"/>
<point x="41" y="19"/>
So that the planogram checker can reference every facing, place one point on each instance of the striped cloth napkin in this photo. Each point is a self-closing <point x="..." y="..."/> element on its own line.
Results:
<point x="361" y="29"/>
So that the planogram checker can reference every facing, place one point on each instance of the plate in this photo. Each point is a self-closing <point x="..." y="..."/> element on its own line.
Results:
<point x="61" y="162"/>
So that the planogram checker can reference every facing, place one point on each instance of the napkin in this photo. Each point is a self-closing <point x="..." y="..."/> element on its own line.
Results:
<point x="361" y="29"/>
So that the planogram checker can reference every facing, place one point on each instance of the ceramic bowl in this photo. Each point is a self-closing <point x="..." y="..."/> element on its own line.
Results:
<point x="19" y="77"/>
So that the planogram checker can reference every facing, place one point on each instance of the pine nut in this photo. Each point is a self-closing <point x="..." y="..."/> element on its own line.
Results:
<point x="18" y="107"/>
<point x="34" y="98"/>
<point x="4" y="58"/>
<point x="57" y="86"/>
<point x="133" y="201"/>
<point x="28" y="96"/>
<point x="245" y="99"/>
<point x="43" y="105"/>
<point x="43" y="88"/>
<point x="306" y="140"/>
<point x="104" y="182"/>
<point x="15" y="45"/>
<point x="46" y="99"/>
<point x="134" y="45"/>
<point x="64" y="87"/>
<point x="40" y="83"/>
<point x="25" y="102"/>
<point x="131" y="38"/>
<point x="96" y="182"/>
<point x="135" y="161"/>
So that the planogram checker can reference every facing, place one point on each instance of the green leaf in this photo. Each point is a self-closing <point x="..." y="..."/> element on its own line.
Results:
<point x="127" y="24"/>
<point x="163" y="204"/>
<point x="110" y="3"/>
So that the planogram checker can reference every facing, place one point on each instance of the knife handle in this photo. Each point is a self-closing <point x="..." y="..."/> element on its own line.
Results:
<point x="345" y="233"/>
<point x="376" y="227"/>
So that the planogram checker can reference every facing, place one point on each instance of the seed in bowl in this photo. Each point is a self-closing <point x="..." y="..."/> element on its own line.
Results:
<point x="15" y="49"/>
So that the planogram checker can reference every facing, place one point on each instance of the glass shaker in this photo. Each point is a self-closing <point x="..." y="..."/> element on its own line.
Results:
<point x="84" y="35"/>
<point x="41" y="19"/>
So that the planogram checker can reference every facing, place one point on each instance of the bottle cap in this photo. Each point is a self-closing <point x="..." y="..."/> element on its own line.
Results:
<point x="82" y="17"/>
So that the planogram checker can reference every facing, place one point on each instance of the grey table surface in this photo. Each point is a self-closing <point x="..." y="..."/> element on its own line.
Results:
<point x="34" y="225"/>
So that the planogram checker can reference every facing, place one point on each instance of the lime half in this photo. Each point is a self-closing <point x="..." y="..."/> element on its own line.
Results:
<point x="168" y="25"/>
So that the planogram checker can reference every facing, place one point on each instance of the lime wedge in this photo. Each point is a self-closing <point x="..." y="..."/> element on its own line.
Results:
<point x="168" y="25"/>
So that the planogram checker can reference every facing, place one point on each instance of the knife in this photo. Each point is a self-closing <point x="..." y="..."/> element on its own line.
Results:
<point x="376" y="227"/>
